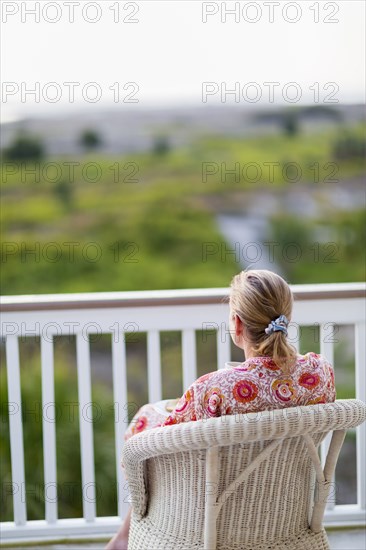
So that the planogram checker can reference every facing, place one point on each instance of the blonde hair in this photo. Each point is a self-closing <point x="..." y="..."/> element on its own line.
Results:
<point x="259" y="297"/>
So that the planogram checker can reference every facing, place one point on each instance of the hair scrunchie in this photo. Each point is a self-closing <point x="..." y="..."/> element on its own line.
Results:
<point x="280" y="323"/>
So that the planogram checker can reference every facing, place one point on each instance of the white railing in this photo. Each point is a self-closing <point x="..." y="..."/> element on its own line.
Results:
<point x="151" y="312"/>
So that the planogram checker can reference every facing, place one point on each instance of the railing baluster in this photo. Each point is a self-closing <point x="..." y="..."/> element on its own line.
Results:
<point x="120" y="414"/>
<point x="327" y="342"/>
<point x="297" y="342"/>
<point x="223" y="346"/>
<point x="49" y="432"/>
<point x="16" y="430"/>
<point x="327" y="349"/>
<point x="86" y="427"/>
<point x="189" y="357"/>
<point x="360" y="381"/>
<point x="154" y="365"/>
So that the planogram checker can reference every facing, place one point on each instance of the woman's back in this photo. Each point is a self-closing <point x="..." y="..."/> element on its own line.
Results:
<point x="255" y="385"/>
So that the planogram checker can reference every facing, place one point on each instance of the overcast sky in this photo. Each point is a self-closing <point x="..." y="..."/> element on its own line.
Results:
<point x="169" y="52"/>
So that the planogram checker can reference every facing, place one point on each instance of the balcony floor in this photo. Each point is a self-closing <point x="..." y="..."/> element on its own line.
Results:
<point x="349" y="539"/>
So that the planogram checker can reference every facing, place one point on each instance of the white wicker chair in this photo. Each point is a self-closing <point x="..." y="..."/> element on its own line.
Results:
<point x="246" y="481"/>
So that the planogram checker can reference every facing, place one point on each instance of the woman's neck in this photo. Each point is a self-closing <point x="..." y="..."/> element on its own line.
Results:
<point x="248" y="350"/>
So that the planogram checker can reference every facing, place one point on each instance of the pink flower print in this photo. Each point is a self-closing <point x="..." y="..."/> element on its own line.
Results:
<point x="245" y="391"/>
<point x="184" y="401"/>
<point x="213" y="400"/>
<point x="140" y="425"/>
<point x="309" y="380"/>
<point x="283" y="389"/>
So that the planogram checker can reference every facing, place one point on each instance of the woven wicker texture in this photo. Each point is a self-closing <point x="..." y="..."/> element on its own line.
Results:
<point x="251" y="482"/>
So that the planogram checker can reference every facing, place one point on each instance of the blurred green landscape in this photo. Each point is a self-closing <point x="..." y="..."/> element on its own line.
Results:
<point x="150" y="215"/>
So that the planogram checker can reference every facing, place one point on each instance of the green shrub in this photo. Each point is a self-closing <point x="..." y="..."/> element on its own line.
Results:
<point x="90" y="139"/>
<point x="349" y="147"/>
<point x="24" y="148"/>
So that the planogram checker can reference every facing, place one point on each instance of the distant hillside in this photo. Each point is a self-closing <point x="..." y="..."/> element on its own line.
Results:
<point x="137" y="129"/>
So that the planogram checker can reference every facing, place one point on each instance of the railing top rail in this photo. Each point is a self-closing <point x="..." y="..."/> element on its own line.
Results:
<point x="194" y="296"/>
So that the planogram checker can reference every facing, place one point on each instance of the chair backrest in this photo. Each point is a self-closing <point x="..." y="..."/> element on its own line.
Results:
<point x="239" y="480"/>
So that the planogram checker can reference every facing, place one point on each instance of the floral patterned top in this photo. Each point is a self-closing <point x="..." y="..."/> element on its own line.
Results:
<point x="257" y="384"/>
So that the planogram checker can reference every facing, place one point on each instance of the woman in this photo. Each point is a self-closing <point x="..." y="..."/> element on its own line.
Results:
<point x="273" y="375"/>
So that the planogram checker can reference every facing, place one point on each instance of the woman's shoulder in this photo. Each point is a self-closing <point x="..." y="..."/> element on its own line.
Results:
<point x="256" y="365"/>
<point x="216" y="376"/>
<point x="312" y="359"/>
<point x="234" y="367"/>
<point x="210" y="376"/>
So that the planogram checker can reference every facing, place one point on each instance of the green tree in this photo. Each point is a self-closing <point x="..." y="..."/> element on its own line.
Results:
<point x="349" y="146"/>
<point x="161" y="146"/>
<point x="64" y="192"/>
<point x="290" y="123"/>
<point x="24" y="148"/>
<point x="90" y="139"/>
